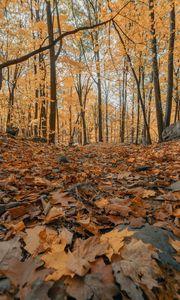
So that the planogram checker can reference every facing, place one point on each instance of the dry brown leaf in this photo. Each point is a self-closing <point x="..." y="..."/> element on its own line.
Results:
<point x="24" y="274"/>
<point x="17" y="227"/>
<point x="84" y="252"/>
<point x="102" y="203"/>
<point x="117" y="209"/>
<point x="176" y="213"/>
<point x="64" y="199"/>
<point x="9" y="250"/>
<point x="57" y="259"/>
<point x="148" y="193"/>
<point x="38" y="239"/>
<point x="91" y="286"/>
<point x="123" y="174"/>
<point x="138" y="264"/>
<point x="16" y="212"/>
<point x="53" y="214"/>
<point x="175" y="244"/>
<point x="115" y="239"/>
<point x="66" y="236"/>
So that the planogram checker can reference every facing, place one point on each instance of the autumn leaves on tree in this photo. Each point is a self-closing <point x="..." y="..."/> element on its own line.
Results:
<point x="89" y="71"/>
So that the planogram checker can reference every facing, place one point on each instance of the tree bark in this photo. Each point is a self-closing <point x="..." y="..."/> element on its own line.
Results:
<point x="170" y="66"/>
<point x="53" y="94"/>
<point x="157" y="92"/>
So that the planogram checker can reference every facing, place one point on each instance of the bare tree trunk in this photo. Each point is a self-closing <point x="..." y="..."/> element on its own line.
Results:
<point x="177" y="100"/>
<point x="120" y="115"/>
<point x="107" y="129"/>
<point x="170" y="66"/>
<point x="99" y="93"/>
<point x="132" y="118"/>
<point x="53" y="93"/>
<point x="123" y="105"/>
<point x="157" y="92"/>
<point x="138" y="111"/>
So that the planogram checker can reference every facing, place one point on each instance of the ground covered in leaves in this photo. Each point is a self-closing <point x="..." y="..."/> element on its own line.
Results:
<point x="93" y="222"/>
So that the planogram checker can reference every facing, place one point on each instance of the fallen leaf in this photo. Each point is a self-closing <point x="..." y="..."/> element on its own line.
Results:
<point x="137" y="262"/>
<point x="9" y="250"/>
<point x="117" y="209"/>
<point x="16" y="212"/>
<point x="66" y="236"/>
<point x="148" y="193"/>
<point x="123" y="174"/>
<point x="38" y="239"/>
<point x="64" y="199"/>
<point x="84" y="252"/>
<point x="115" y="239"/>
<point x="175" y="244"/>
<point x="137" y="222"/>
<point x="102" y="203"/>
<point x="92" y="287"/>
<point x="57" y="259"/>
<point x="53" y="214"/>
<point x="24" y="274"/>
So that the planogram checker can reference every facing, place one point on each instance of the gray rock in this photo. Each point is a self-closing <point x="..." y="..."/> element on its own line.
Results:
<point x="175" y="187"/>
<point x="63" y="159"/>
<point x="172" y="132"/>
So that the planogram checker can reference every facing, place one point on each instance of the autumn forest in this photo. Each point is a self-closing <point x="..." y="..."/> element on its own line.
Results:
<point x="89" y="71"/>
<point x="89" y="150"/>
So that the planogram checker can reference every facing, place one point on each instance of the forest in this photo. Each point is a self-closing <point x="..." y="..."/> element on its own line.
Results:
<point x="89" y="150"/>
<point x="89" y="71"/>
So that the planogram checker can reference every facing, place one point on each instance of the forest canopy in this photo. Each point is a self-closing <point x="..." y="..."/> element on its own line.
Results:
<point x="89" y="70"/>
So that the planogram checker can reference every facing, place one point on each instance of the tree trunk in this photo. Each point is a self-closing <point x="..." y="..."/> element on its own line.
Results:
<point x="170" y="66"/>
<point x="99" y="96"/>
<point x="107" y="129"/>
<point x="53" y="94"/>
<point x="157" y="92"/>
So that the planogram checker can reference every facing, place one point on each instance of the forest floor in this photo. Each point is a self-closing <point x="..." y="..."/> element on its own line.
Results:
<point x="93" y="222"/>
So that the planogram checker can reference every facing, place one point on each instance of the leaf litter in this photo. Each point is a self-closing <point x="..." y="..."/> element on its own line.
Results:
<point x="105" y="225"/>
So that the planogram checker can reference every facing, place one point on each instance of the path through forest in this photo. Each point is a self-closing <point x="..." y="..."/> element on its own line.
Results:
<point x="93" y="222"/>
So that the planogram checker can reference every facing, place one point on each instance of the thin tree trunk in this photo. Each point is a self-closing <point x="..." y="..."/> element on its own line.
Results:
<point x="53" y="93"/>
<point x="132" y="118"/>
<point x="170" y="66"/>
<point x="157" y="92"/>
<point x="107" y="112"/>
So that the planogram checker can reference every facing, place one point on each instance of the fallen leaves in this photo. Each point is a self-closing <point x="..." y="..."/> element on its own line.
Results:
<point x="84" y="252"/>
<point x="115" y="240"/>
<point x="66" y="216"/>
<point x="57" y="259"/>
<point x="53" y="214"/>
<point x="136" y="270"/>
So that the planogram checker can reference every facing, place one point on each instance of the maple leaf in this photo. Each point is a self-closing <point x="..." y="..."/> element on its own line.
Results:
<point x="24" y="274"/>
<point x="115" y="239"/>
<point x="57" y="259"/>
<point x="9" y="250"/>
<point x="53" y="214"/>
<point x="138" y="264"/>
<point x="84" y="252"/>
<point x="38" y="239"/>
<point x="148" y="193"/>
<point x="99" y="284"/>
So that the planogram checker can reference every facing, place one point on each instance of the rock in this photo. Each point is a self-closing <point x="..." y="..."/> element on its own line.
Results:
<point x="172" y="132"/>
<point x="175" y="187"/>
<point x="63" y="159"/>
<point x="12" y="130"/>
<point x="142" y="168"/>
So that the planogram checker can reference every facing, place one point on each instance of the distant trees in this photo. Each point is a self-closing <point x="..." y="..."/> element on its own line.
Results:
<point x="121" y="59"/>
